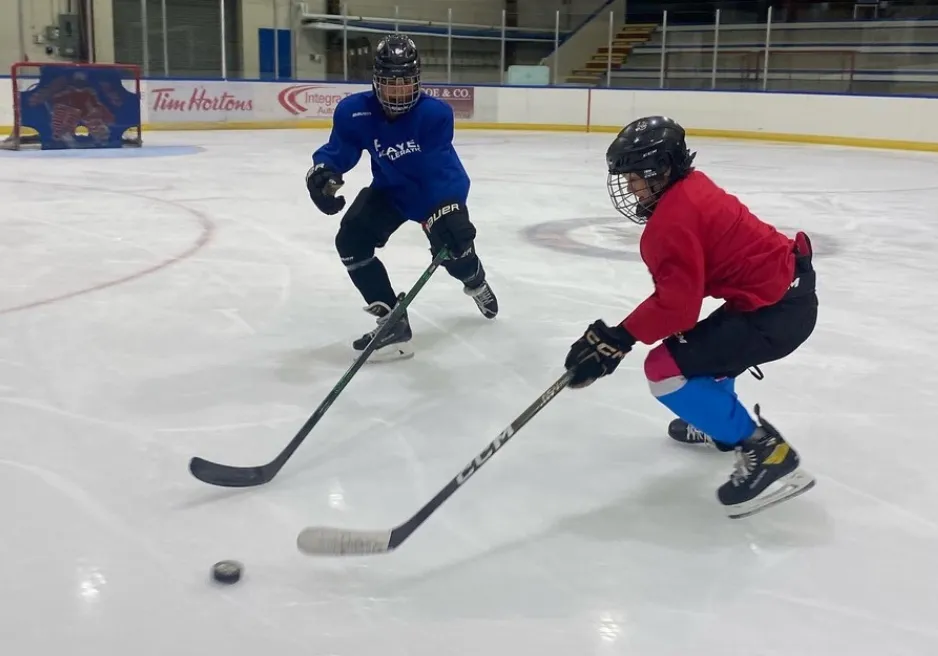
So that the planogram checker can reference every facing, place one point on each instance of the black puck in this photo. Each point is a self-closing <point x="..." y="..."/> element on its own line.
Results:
<point x="227" y="571"/>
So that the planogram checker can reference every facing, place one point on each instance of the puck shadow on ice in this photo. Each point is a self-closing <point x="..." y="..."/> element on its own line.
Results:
<point x="612" y="237"/>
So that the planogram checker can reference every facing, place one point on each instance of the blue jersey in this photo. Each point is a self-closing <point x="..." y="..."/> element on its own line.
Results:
<point x="412" y="155"/>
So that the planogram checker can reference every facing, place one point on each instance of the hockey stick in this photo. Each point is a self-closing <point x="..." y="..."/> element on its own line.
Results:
<point x="215" y="473"/>
<point x="325" y="541"/>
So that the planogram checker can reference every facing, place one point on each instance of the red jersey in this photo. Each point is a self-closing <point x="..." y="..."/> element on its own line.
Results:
<point x="702" y="241"/>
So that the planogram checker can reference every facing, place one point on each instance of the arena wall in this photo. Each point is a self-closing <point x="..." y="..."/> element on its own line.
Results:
<point x="848" y="120"/>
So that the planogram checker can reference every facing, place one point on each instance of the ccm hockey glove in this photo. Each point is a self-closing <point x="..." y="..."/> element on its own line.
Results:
<point x="597" y="353"/>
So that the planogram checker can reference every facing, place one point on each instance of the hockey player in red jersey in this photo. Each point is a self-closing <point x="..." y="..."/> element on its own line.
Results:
<point x="700" y="241"/>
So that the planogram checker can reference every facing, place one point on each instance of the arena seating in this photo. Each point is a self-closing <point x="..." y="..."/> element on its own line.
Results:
<point x="867" y="57"/>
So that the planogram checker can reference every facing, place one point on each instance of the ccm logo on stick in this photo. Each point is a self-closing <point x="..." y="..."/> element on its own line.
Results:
<point x="480" y="459"/>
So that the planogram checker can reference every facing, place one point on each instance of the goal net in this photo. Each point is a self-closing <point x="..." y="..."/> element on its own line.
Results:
<point x="62" y="105"/>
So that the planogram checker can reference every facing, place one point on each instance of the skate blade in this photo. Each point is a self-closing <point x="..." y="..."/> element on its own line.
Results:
<point x="391" y="353"/>
<point x="787" y="487"/>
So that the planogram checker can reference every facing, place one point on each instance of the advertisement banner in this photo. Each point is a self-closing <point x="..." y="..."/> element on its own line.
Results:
<point x="461" y="99"/>
<point x="319" y="100"/>
<point x="183" y="101"/>
<point x="180" y="101"/>
<point x="195" y="101"/>
<point x="311" y="100"/>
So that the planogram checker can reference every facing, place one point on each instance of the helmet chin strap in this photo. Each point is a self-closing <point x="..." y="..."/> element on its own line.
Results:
<point x="656" y="185"/>
<point x="644" y="208"/>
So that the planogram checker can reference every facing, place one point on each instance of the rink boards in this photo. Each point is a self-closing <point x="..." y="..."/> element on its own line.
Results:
<point x="847" y="120"/>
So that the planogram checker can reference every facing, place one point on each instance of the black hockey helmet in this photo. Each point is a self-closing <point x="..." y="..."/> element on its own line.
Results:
<point x="396" y="79"/>
<point x="646" y="157"/>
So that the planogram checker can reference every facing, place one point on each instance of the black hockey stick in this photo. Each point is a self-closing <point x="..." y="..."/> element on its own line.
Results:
<point x="326" y="541"/>
<point x="215" y="473"/>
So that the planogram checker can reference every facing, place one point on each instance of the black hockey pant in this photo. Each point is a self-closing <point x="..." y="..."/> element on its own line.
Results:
<point x="728" y="342"/>
<point x="367" y="225"/>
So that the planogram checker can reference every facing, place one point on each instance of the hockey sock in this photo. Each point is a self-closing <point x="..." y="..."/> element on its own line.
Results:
<point x="372" y="281"/>
<point x="712" y="407"/>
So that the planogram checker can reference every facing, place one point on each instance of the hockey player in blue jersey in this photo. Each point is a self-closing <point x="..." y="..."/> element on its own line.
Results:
<point x="417" y="176"/>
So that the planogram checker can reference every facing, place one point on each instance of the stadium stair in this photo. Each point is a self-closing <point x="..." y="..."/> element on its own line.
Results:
<point x="624" y="41"/>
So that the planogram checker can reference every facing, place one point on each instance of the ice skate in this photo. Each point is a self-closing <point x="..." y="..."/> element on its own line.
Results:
<point x="478" y="289"/>
<point x="484" y="298"/>
<point x="767" y="472"/>
<point x="680" y="431"/>
<point x="395" y="344"/>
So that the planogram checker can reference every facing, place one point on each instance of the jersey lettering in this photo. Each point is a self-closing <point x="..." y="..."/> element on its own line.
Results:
<point x="397" y="150"/>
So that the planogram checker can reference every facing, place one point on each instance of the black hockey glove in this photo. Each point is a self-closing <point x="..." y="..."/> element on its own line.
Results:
<point x="449" y="227"/>
<point x="597" y="353"/>
<point x="322" y="183"/>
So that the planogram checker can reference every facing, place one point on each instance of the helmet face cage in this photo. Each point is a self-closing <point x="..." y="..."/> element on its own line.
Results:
<point x="636" y="203"/>
<point x="397" y="94"/>
<point x="396" y="80"/>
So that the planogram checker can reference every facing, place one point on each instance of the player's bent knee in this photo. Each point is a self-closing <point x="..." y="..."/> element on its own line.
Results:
<point x="353" y="251"/>
<point x="662" y="372"/>
<point x="660" y="365"/>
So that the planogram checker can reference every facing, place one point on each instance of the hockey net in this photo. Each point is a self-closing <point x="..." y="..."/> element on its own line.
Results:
<point x="62" y="105"/>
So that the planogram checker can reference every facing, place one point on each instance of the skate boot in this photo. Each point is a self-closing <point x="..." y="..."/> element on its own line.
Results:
<point x="680" y="431"/>
<point x="484" y="298"/>
<point x="767" y="472"/>
<point x="482" y="294"/>
<point x="395" y="344"/>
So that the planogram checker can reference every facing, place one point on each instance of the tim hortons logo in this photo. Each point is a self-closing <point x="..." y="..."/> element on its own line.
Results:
<point x="305" y="98"/>
<point x="166" y="100"/>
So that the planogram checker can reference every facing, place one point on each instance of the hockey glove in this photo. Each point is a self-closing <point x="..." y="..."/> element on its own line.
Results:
<point x="449" y="227"/>
<point x="597" y="353"/>
<point x="322" y="183"/>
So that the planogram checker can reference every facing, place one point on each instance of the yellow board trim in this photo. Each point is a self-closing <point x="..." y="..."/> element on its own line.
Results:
<point x="781" y="137"/>
<point x="535" y="127"/>
<point x="817" y="139"/>
<point x="784" y="137"/>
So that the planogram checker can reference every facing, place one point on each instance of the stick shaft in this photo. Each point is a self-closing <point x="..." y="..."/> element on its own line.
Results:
<point x="325" y="541"/>
<point x="215" y="473"/>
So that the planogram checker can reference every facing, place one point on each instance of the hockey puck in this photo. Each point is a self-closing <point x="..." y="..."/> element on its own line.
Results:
<point x="227" y="571"/>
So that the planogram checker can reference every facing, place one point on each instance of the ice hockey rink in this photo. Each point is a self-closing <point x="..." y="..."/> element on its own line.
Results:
<point x="185" y="299"/>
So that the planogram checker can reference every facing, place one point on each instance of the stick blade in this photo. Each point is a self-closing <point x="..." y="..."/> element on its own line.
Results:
<point x="215" y="473"/>
<point x="324" y="541"/>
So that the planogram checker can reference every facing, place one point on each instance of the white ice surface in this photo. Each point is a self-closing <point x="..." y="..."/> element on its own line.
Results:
<point x="589" y="534"/>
